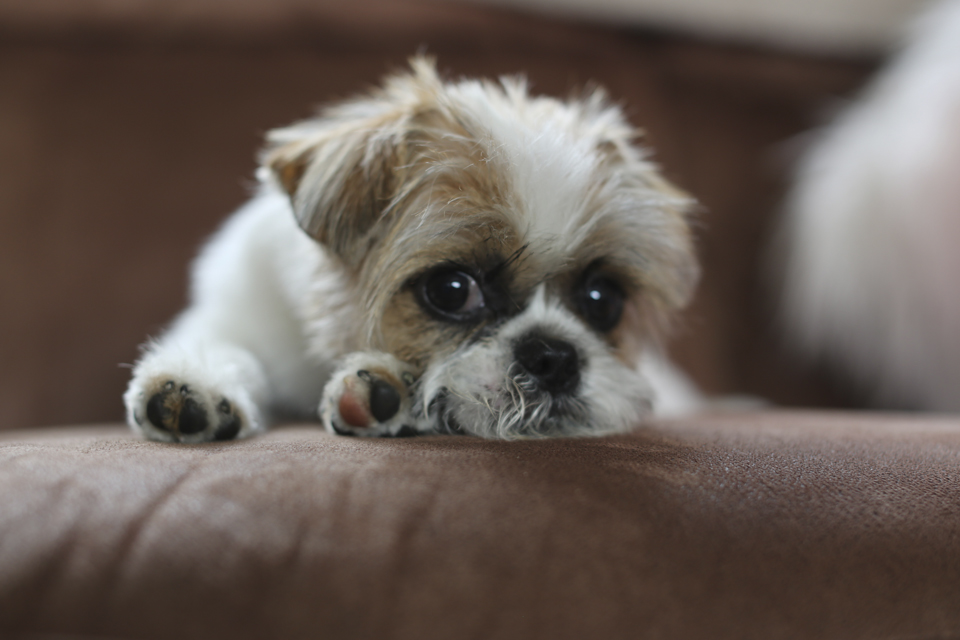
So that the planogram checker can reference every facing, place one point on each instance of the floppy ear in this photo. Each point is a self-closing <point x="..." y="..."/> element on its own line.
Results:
<point x="343" y="168"/>
<point x="339" y="173"/>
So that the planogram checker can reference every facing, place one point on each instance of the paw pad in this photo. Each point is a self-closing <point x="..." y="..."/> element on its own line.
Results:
<point x="384" y="397"/>
<point x="371" y="395"/>
<point x="180" y="410"/>
<point x="368" y="399"/>
<point x="229" y="424"/>
<point x="353" y="411"/>
<point x="176" y="410"/>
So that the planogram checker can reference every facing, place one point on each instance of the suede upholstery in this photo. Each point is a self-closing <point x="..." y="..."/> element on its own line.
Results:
<point x="767" y="525"/>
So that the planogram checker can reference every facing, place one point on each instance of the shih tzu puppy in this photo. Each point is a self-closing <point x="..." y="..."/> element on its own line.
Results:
<point x="433" y="257"/>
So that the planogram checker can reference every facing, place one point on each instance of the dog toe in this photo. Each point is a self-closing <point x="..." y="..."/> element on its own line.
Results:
<point x="229" y="422"/>
<point x="353" y="410"/>
<point x="193" y="417"/>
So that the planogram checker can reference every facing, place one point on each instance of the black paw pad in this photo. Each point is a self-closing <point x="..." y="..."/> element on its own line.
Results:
<point x="340" y="431"/>
<point x="229" y="424"/>
<point x="193" y="418"/>
<point x="176" y="410"/>
<point x="384" y="400"/>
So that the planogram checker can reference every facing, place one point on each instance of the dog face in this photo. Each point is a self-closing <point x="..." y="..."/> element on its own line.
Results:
<point x="518" y="251"/>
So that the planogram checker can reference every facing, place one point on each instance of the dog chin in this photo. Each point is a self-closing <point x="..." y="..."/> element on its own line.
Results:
<point x="513" y="407"/>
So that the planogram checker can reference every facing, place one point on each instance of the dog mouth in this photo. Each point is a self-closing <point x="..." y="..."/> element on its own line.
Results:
<point x="515" y="411"/>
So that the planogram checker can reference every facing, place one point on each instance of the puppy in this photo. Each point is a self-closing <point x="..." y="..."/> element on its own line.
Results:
<point x="433" y="257"/>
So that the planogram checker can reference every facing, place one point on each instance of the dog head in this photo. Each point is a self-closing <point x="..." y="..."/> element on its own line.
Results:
<point x="519" y="251"/>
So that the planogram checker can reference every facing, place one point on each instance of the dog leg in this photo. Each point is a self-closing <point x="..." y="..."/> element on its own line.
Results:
<point x="370" y="395"/>
<point x="196" y="392"/>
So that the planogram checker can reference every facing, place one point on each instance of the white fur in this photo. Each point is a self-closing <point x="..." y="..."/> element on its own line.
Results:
<point x="548" y="151"/>
<point x="245" y="335"/>
<point x="873" y="229"/>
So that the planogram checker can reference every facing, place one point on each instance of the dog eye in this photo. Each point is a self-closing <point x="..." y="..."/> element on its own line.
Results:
<point x="454" y="294"/>
<point x="602" y="302"/>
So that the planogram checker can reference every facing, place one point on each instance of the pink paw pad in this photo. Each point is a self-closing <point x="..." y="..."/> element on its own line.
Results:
<point x="369" y="398"/>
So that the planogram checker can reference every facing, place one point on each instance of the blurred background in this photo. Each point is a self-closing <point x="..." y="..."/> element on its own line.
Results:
<point x="129" y="130"/>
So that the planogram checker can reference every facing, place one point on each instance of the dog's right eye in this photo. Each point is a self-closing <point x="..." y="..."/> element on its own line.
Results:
<point x="452" y="294"/>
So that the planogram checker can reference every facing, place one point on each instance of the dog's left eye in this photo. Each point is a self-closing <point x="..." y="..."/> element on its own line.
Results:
<point x="454" y="294"/>
<point x="602" y="302"/>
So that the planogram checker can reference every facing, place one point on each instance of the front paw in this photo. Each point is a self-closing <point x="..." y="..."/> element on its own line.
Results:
<point x="175" y="411"/>
<point x="369" y="396"/>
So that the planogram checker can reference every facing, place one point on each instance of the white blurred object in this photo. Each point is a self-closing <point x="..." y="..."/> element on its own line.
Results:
<point x="826" y="26"/>
<point x="872" y="231"/>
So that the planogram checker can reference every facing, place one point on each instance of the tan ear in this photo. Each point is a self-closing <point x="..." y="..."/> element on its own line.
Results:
<point x="340" y="176"/>
<point x="342" y="169"/>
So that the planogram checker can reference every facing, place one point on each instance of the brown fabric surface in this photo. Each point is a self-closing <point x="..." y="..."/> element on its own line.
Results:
<point x="128" y="131"/>
<point x="767" y="525"/>
<point x="362" y="24"/>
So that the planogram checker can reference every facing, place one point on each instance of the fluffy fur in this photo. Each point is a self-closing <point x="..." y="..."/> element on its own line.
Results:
<point x="873" y="229"/>
<point x="313" y="294"/>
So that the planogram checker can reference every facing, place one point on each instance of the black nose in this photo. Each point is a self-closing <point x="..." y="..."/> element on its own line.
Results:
<point x="554" y="363"/>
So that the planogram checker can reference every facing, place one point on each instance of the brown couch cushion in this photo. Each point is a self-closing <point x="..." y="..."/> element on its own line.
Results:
<point x="767" y="525"/>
